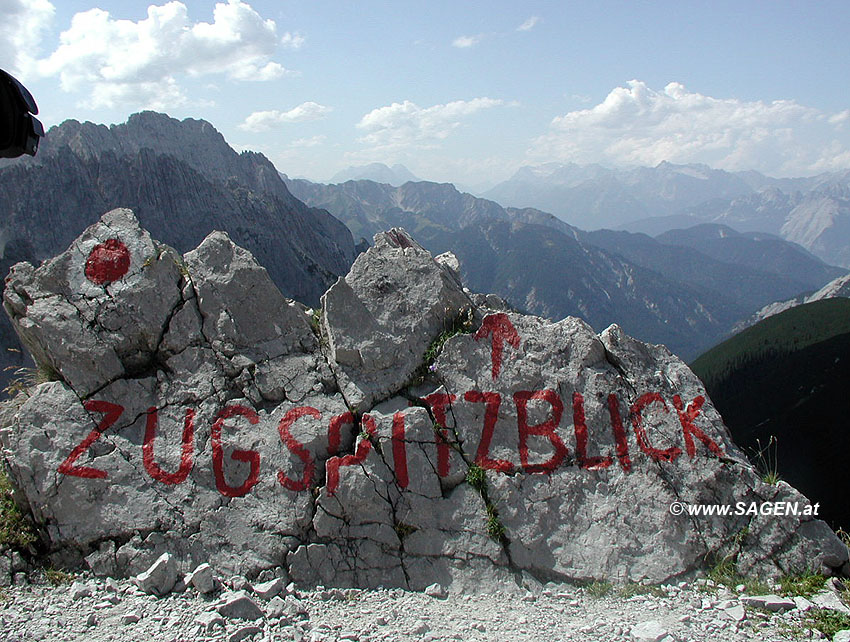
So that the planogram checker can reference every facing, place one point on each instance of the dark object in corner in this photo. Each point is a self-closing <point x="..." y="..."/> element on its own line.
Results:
<point x="20" y="130"/>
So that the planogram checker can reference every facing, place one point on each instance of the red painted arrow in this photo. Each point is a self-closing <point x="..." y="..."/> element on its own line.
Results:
<point x="501" y="329"/>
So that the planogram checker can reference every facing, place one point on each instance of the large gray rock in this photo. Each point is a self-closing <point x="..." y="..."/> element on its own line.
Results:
<point x="197" y="411"/>
<point x="381" y="317"/>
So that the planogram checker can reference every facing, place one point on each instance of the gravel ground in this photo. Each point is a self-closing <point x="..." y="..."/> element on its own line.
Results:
<point x="97" y="610"/>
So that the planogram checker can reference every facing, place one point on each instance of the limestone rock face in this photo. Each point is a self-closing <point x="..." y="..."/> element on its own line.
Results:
<point x="193" y="410"/>
<point x="381" y="317"/>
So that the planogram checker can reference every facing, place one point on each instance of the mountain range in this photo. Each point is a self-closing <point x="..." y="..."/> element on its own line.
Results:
<point x="396" y="175"/>
<point x="659" y="290"/>
<point x="813" y="212"/>
<point x="685" y="289"/>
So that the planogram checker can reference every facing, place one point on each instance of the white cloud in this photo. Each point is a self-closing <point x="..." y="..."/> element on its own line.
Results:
<point x="265" y="120"/>
<point x="840" y="117"/>
<point x="292" y="40"/>
<point x="636" y="125"/>
<point x="141" y="63"/>
<point x="465" y="42"/>
<point x="22" y="25"/>
<point x="313" y="141"/>
<point x="404" y="124"/>
<point x="529" y="24"/>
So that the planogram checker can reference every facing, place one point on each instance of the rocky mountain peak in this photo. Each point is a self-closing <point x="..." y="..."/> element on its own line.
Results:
<point x="404" y="434"/>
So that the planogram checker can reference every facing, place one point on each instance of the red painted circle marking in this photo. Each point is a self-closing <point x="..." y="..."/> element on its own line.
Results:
<point x="107" y="262"/>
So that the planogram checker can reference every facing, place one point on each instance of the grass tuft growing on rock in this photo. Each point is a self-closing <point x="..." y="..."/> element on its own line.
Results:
<point x="460" y="324"/>
<point x="58" y="577"/>
<point x="27" y="377"/>
<point x="725" y="572"/>
<point x="599" y="588"/>
<point x="402" y="530"/>
<point x="476" y="477"/>
<point x="495" y="528"/>
<point x="804" y="585"/>
<point x="765" y="461"/>
<point x="315" y="320"/>
<point x="827" y="621"/>
<point x="16" y="531"/>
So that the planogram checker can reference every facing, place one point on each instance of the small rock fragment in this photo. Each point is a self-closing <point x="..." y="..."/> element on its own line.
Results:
<point x="276" y="608"/>
<point x="160" y="578"/>
<point x="770" y="602"/>
<point x="5" y="571"/>
<point x="238" y="604"/>
<point x="736" y="612"/>
<point x="238" y="583"/>
<point x="209" y="620"/>
<point x="203" y="579"/>
<point x="243" y="632"/>
<point x="802" y="603"/>
<point x="435" y="590"/>
<point x="80" y="590"/>
<point x="267" y="590"/>
<point x="131" y="617"/>
<point x="829" y="600"/>
<point x="420" y="628"/>
<point x="651" y="631"/>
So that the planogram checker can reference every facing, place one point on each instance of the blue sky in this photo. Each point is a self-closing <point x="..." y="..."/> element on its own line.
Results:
<point x="457" y="91"/>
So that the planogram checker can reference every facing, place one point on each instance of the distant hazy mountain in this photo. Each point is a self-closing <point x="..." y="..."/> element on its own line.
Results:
<point x="818" y="219"/>
<point x="813" y="212"/>
<point x="662" y="293"/>
<point x="593" y="197"/>
<point x="183" y="181"/>
<point x="758" y="251"/>
<point x="787" y="377"/>
<point x="734" y="274"/>
<point x="378" y="172"/>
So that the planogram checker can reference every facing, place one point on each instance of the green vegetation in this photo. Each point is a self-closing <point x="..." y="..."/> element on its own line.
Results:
<point x="57" y="577"/>
<point x="766" y="462"/>
<point x="461" y="324"/>
<point x="16" y="530"/>
<point x="181" y="265"/>
<point x="27" y="377"/>
<point x="779" y="387"/>
<point x="804" y="585"/>
<point x="476" y="477"/>
<point x="403" y="530"/>
<point x="827" y="621"/>
<point x="725" y="572"/>
<point x="800" y="327"/>
<point x="495" y="529"/>
<point x="315" y="318"/>
<point x="598" y="588"/>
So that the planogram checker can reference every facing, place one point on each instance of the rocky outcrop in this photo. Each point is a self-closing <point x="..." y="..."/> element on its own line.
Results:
<point x="837" y="288"/>
<point x="401" y="436"/>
